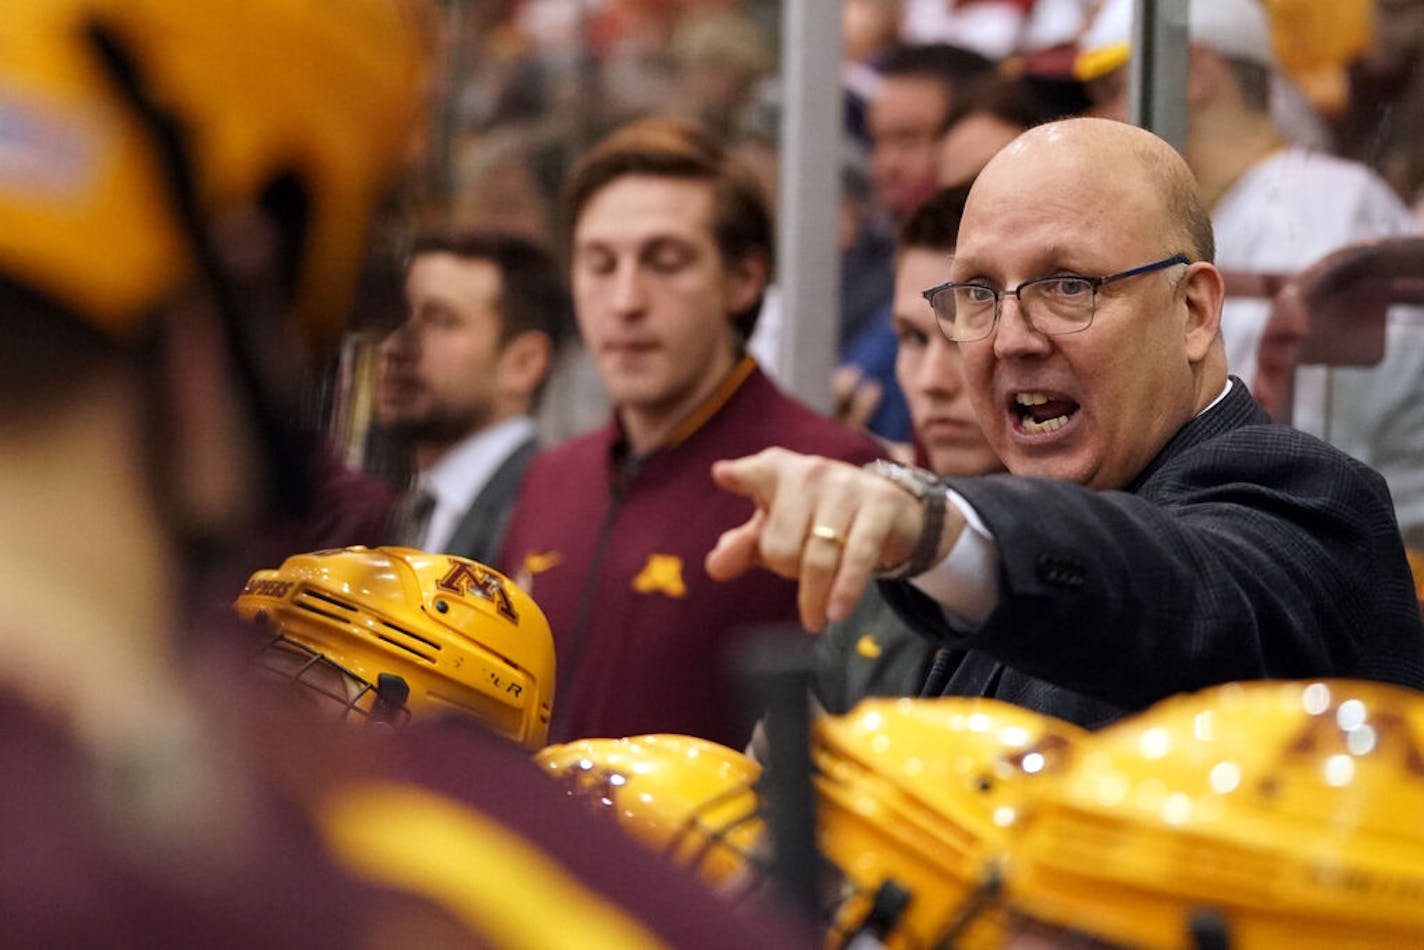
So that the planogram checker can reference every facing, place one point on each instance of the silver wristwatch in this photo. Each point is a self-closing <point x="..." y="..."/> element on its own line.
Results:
<point x="927" y="487"/>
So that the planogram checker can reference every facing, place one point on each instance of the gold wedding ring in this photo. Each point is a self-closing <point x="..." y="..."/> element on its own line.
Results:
<point x="826" y="533"/>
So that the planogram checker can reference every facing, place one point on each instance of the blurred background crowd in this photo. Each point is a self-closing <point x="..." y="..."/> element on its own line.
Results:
<point x="519" y="89"/>
<point x="529" y="84"/>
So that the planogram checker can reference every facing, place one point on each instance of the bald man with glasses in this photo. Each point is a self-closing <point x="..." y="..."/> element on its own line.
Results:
<point x="1156" y="534"/>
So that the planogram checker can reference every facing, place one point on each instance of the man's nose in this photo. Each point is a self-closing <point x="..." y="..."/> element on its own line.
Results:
<point x="627" y="289"/>
<point x="940" y="370"/>
<point x="1014" y="335"/>
<point x="399" y="343"/>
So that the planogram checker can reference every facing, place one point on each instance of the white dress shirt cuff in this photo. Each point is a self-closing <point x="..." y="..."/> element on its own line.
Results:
<point x="966" y="582"/>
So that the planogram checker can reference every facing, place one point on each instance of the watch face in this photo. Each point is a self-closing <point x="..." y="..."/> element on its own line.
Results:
<point x="921" y="480"/>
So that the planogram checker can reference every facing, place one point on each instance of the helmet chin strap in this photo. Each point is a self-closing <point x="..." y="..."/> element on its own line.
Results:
<point x="286" y="464"/>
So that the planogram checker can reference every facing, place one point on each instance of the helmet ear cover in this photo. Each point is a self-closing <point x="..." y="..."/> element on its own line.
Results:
<point x="452" y="634"/>
<point x="391" y="694"/>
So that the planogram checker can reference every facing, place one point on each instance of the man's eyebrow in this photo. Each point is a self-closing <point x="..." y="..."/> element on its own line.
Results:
<point x="639" y="242"/>
<point x="654" y="241"/>
<point x="965" y="263"/>
<point x="1053" y="257"/>
<point x="435" y="304"/>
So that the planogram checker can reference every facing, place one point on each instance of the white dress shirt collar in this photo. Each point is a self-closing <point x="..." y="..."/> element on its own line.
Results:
<point x="462" y="473"/>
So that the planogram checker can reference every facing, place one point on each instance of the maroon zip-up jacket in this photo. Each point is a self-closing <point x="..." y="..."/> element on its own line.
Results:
<point x="611" y="549"/>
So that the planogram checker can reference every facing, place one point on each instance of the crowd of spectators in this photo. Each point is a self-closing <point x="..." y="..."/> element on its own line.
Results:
<point x="931" y="91"/>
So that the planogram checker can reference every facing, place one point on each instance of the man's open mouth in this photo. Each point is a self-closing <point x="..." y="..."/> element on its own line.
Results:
<point x="1039" y="413"/>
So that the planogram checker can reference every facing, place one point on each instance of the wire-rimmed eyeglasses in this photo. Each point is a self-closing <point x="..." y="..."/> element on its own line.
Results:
<point x="1053" y="305"/>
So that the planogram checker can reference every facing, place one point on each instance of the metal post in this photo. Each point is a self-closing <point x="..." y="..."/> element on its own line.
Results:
<point x="1157" y="72"/>
<point x="808" y="261"/>
<point x="448" y="117"/>
<point x="777" y="666"/>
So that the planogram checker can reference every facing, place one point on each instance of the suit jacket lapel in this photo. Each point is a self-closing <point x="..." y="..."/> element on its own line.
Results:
<point x="482" y="528"/>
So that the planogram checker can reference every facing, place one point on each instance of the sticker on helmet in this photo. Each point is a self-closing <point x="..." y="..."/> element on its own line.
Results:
<point x="465" y="577"/>
<point x="266" y="588"/>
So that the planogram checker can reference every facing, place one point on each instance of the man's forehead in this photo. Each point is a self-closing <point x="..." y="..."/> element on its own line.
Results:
<point x="1025" y="260"/>
<point x="441" y="262"/>
<point x="435" y="271"/>
<point x="1031" y="192"/>
<point x="896" y="88"/>
<point x="1025" y="232"/>
<point x="905" y="98"/>
<point x="1019" y="171"/>
<point x="916" y="259"/>
<point x="1028" y="191"/>
<point x="917" y="269"/>
<point x="1087" y="151"/>
<point x="643" y="207"/>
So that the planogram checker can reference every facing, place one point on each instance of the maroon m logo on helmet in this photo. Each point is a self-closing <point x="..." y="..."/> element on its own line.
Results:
<point x="466" y="577"/>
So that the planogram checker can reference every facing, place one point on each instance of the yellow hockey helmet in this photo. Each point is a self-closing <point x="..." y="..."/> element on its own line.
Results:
<point x="691" y="799"/>
<point x="460" y="636"/>
<point x="917" y="798"/>
<point x="320" y="93"/>
<point x="1284" y="813"/>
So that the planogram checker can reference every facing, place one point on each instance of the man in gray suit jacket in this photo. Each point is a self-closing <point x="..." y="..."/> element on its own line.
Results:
<point x="460" y="377"/>
<point x="1156" y="535"/>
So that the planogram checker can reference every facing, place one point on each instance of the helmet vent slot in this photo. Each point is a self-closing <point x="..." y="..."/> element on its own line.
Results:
<point x="406" y="647"/>
<point x="327" y="598"/>
<point x="328" y="614"/>
<point x="411" y="633"/>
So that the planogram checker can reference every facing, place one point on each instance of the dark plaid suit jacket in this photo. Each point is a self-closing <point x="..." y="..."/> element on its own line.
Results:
<point x="481" y="529"/>
<point x="1244" y="551"/>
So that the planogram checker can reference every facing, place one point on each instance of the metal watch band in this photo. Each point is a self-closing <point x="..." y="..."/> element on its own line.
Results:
<point x="928" y="488"/>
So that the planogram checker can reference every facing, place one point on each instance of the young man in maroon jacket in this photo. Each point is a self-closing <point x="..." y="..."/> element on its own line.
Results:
<point x="671" y="253"/>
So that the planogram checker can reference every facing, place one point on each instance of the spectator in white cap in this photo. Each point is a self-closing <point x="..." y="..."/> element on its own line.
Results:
<point x="1236" y="30"/>
<point x="1277" y="208"/>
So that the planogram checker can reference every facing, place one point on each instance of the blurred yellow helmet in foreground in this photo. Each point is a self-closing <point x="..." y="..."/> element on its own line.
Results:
<point x="460" y="636"/>
<point x="317" y="95"/>
<point x="916" y="798"/>
<point x="1287" y="813"/>
<point x="689" y="798"/>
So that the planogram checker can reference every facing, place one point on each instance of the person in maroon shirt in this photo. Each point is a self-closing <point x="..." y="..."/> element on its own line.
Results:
<point x="671" y="253"/>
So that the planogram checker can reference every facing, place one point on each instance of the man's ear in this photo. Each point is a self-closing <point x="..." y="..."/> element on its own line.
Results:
<point x="1202" y="290"/>
<point x="1206" y="71"/>
<point x="746" y="280"/>
<point x="524" y="361"/>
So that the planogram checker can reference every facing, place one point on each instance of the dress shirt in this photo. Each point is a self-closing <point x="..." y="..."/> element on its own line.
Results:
<point x="463" y="472"/>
